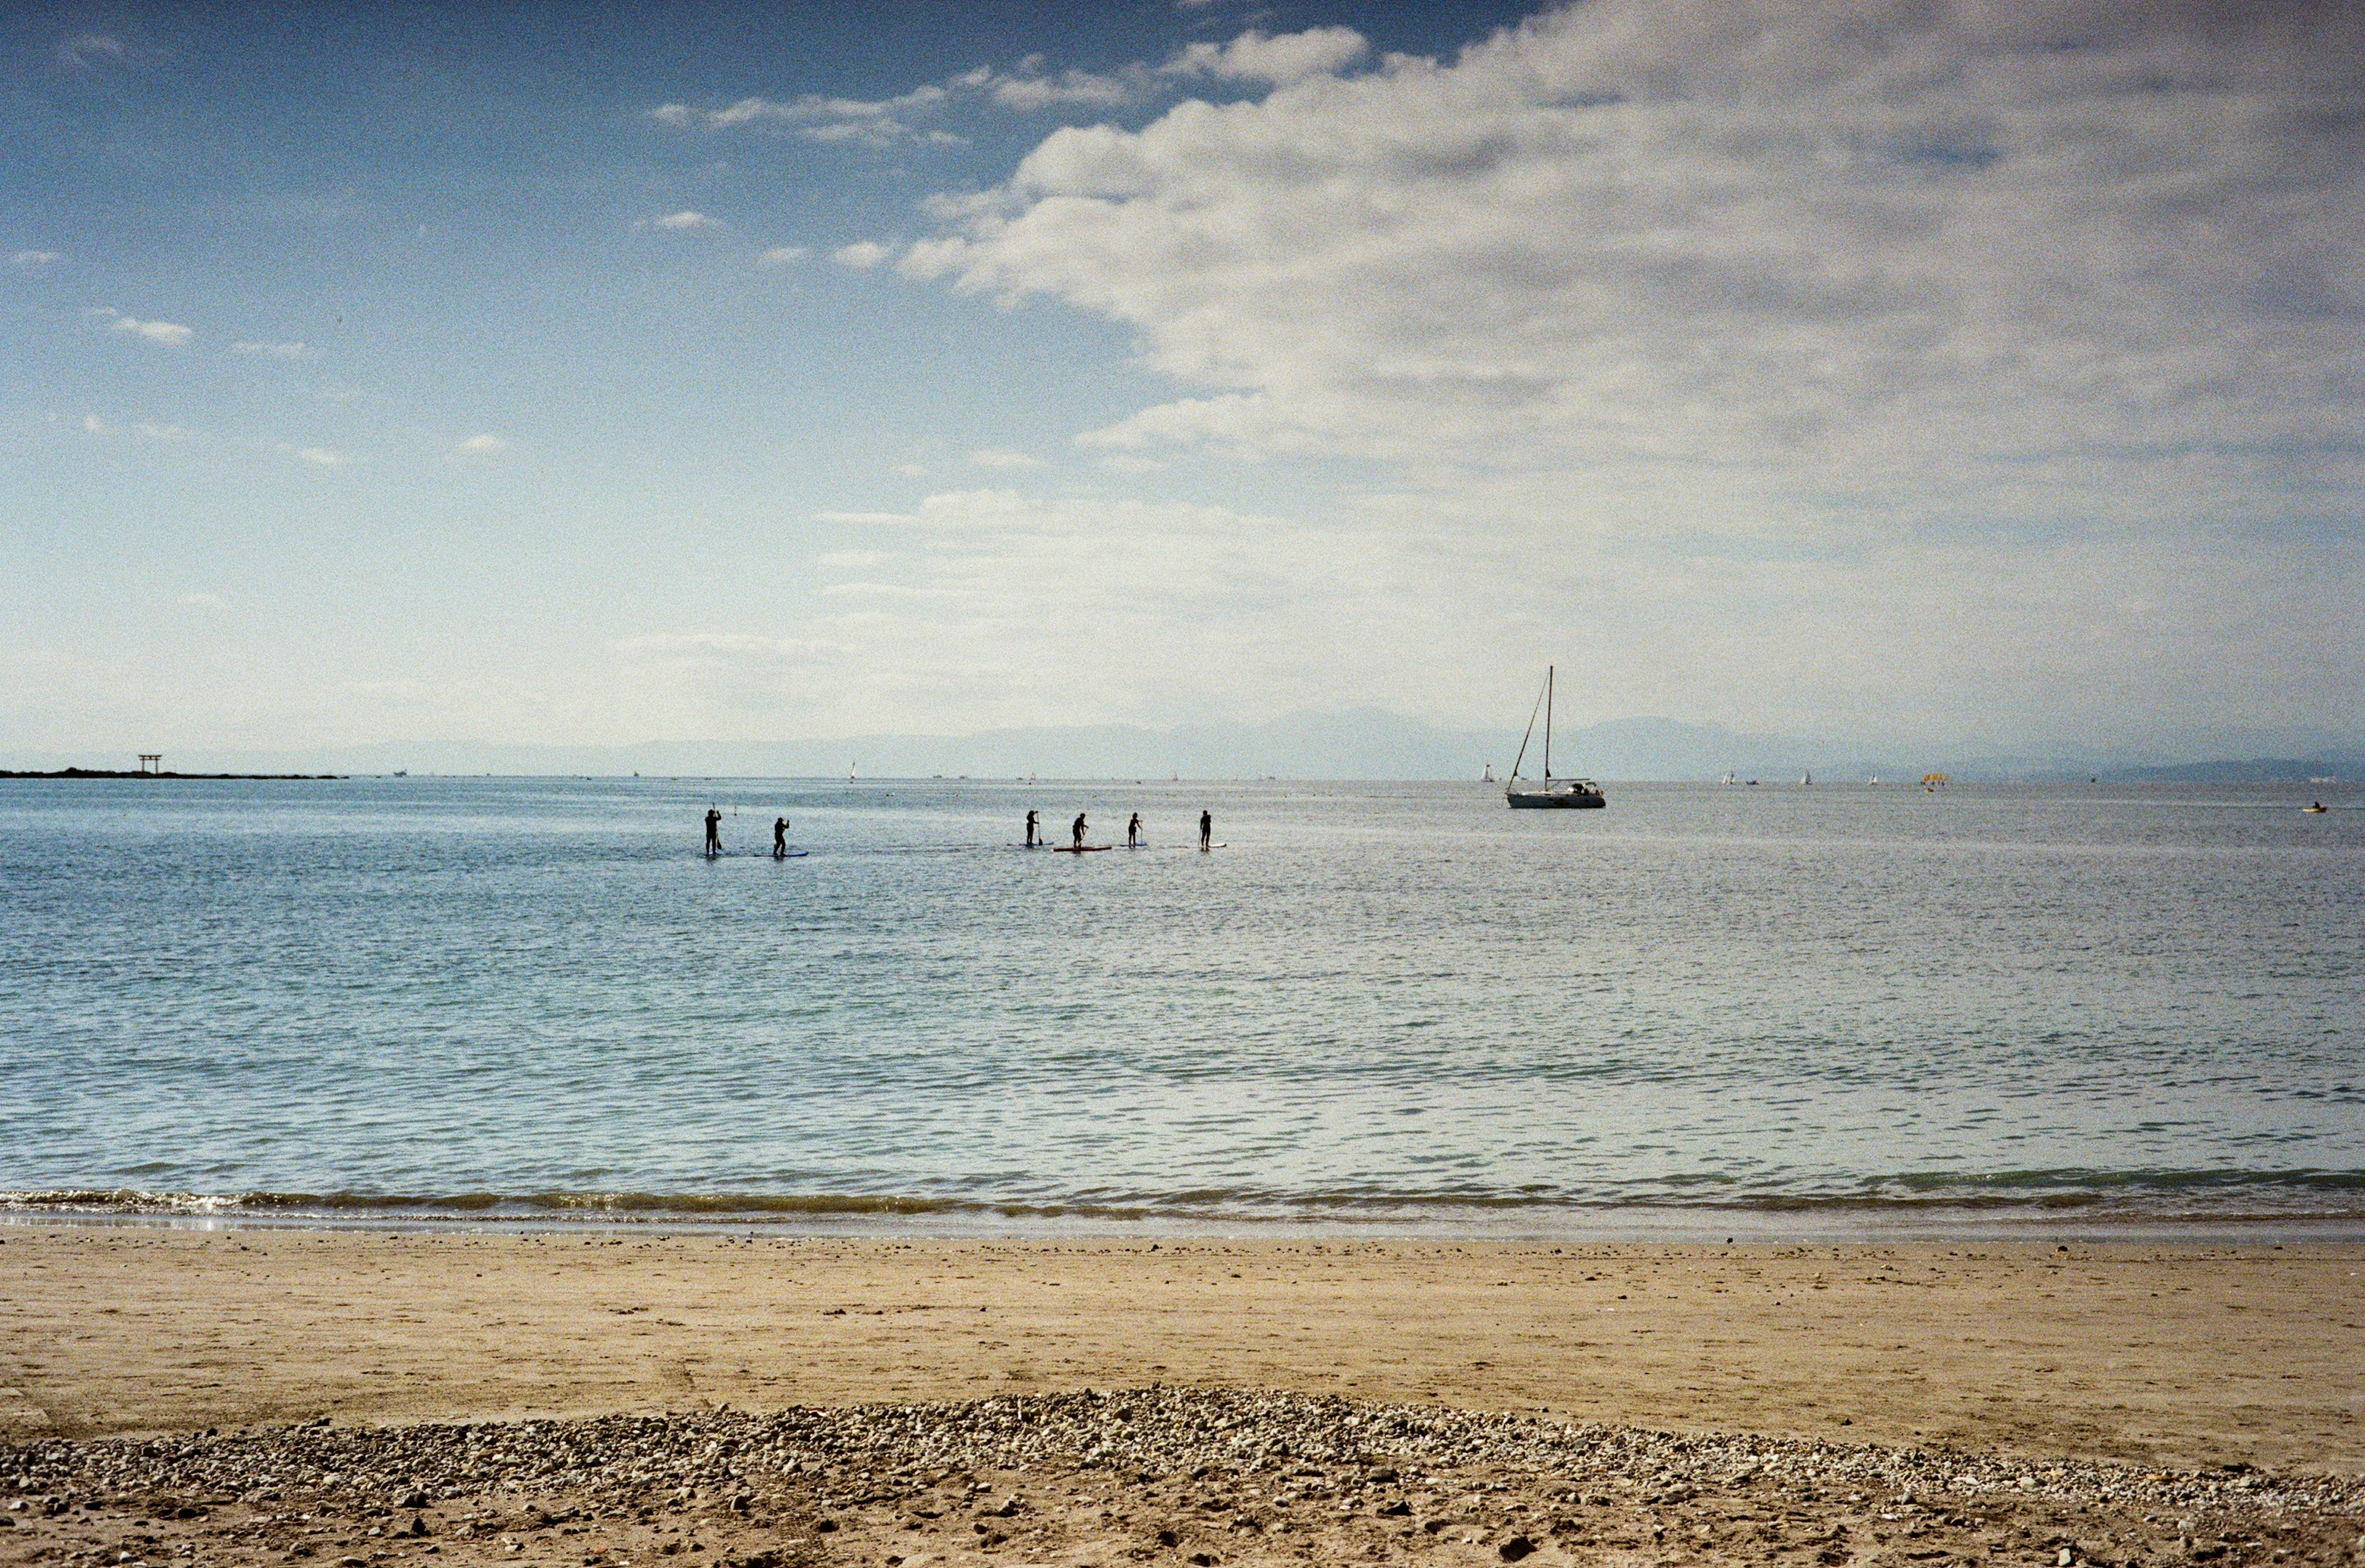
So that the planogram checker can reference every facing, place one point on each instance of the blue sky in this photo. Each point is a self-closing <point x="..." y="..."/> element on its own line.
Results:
<point x="586" y="375"/>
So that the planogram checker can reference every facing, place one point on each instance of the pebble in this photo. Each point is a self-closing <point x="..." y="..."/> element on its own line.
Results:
<point x="1160" y="1429"/>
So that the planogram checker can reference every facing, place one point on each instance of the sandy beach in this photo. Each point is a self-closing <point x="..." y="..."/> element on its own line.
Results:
<point x="757" y="1403"/>
<point x="2150" y="1354"/>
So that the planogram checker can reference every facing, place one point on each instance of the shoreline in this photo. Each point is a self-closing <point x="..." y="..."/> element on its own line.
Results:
<point x="2147" y="1353"/>
<point x="56" y="773"/>
<point x="1632" y="1225"/>
<point x="2250" y="1207"/>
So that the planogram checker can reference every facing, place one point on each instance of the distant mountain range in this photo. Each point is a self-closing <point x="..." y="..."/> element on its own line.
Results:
<point x="1362" y="743"/>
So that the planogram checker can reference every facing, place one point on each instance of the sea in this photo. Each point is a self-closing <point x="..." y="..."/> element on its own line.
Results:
<point x="1702" y="1012"/>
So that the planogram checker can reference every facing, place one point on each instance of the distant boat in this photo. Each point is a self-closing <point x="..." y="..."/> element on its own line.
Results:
<point x="1549" y="792"/>
<point x="1488" y="777"/>
<point x="1806" y="781"/>
<point x="2315" y="810"/>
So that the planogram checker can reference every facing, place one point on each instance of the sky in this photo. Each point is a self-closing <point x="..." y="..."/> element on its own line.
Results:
<point x="1970" y="375"/>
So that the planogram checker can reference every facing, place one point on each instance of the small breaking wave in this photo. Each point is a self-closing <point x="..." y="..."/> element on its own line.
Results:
<point x="1902" y="1201"/>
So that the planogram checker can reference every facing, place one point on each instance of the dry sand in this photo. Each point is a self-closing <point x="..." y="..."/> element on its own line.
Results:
<point x="2167" y="1355"/>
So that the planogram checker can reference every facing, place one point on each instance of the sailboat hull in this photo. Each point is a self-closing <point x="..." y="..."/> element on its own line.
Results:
<point x="1558" y="798"/>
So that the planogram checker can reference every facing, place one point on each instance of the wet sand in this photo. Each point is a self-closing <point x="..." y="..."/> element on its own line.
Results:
<point x="2166" y="1355"/>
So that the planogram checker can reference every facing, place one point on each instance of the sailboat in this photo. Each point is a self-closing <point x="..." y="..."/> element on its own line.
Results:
<point x="1548" y="792"/>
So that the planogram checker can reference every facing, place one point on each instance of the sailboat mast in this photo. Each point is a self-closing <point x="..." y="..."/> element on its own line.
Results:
<point x="1548" y="705"/>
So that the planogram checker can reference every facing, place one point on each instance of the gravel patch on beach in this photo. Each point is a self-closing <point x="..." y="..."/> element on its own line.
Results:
<point x="1194" y="1476"/>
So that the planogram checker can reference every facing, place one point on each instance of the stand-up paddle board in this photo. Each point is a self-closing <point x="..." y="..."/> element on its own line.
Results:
<point x="792" y="854"/>
<point x="1078" y="849"/>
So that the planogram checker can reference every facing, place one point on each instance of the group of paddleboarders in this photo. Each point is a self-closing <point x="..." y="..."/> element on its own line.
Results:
<point x="1035" y="839"/>
<point x="714" y="835"/>
<point x="1133" y="832"/>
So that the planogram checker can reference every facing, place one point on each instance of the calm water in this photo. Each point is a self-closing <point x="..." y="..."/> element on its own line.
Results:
<point x="1380" y="1002"/>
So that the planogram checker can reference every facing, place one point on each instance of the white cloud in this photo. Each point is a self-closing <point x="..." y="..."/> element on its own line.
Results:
<point x="317" y="456"/>
<point x="200" y="599"/>
<point x="879" y="134"/>
<point x="143" y="429"/>
<point x="1277" y="60"/>
<point x="83" y="50"/>
<point x="874" y="123"/>
<point x="862" y="256"/>
<point x="814" y="106"/>
<point x="881" y="123"/>
<point x="1759" y="343"/>
<point x="1031" y="86"/>
<point x="483" y="445"/>
<point x="997" y="457"/>
<point x="34" y="259"/>
<point x="1029" y="93"/>
<point x="784" y="255"/>
<point x="276" y="351"/>
<point x="1873" y="255"/>
<point x="171" y="334"/>
<point x="1243" y="418"/>
<point x="685" y="222"/>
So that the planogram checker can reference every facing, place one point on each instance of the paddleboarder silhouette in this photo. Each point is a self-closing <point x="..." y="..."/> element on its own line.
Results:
<point x="713" y="831"/>
<point x="780" y="838"/>
<point x="1034" y="832"/>
<point x="1078" y="830"/>
<point x="1206" y="828"/>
